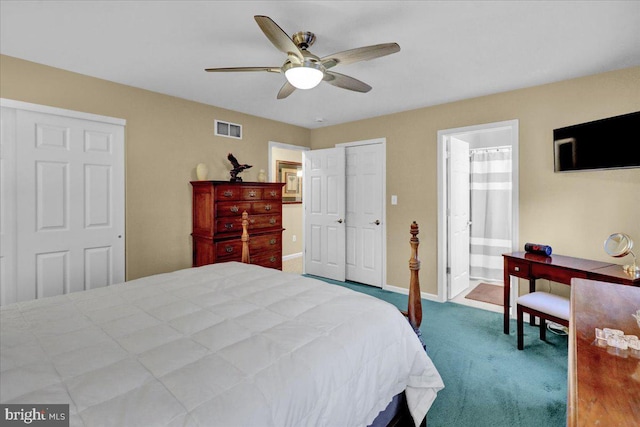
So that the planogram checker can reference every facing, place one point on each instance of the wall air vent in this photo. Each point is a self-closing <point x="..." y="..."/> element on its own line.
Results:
<point x="230" y="130"/>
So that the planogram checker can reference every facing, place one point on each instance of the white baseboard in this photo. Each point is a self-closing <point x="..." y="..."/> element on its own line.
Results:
<point x="405" y="291"/>
<point x="292" y="256"/>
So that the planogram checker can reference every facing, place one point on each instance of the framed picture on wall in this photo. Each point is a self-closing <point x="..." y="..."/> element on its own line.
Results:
<point x="290" y="173"/>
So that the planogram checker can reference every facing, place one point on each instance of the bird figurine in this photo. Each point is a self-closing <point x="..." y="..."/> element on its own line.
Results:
<point x="237" y="168"/>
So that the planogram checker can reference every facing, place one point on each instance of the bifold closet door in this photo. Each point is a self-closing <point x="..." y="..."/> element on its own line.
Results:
<point x="344" y="213"/>
<point x="69" y="204"/>
<point x="364" y="217"/>
<point x="8" y="289"/>
<point x="324" y="210"/>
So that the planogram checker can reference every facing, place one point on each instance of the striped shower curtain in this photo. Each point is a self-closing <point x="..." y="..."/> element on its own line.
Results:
<point x="490" y="212"/>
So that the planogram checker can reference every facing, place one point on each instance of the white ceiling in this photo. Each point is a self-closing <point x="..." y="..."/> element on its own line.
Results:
<point x="450" y="50"/>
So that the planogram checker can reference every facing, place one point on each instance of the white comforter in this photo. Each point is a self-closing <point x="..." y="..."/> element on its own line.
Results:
<point x="222" y="345"/>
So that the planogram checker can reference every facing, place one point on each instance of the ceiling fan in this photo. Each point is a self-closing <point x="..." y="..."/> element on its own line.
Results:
<point x="305" y="70"/>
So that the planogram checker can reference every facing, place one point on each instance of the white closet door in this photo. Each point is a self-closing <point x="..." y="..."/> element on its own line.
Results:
<point x="7" y="206"/>
<point x="364" y="217"/>
<point x="70" y="199"/>
<point x="324" y="201"/>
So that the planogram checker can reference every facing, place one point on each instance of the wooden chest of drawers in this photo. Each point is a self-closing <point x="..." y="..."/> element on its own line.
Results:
<point x="217" y="222"/>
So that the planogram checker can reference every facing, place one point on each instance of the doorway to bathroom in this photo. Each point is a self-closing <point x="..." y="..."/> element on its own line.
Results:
<point x="477" y="208"/>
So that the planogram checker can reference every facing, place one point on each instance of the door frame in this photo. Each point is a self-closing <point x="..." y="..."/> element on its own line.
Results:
<point x="442" y="184"/>
<point x="272" y="178"/>
<point x="9" y="294"/>
<point x="274" y="144"/>
<point x="383" y="142"/>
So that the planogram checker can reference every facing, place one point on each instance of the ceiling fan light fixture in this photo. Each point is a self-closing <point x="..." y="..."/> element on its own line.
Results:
<point x="303" y="69"/>
<point x="304" y="76"/>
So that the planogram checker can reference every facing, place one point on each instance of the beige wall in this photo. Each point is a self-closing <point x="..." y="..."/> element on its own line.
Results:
<point x="291" y="212"/>
<point x="166" y="137"/>
<point x="572" y="212"/>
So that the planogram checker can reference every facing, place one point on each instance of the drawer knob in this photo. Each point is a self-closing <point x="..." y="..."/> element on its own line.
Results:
<point x="272" y="221"/>
<point x="272" y="241"/>
<point x="274" y="193"/>
<point x="272" y="259"/>
<point x="228" y="225"/>
<point x="234" y="209"/>
<point x="267" y="207"/>
<point x="516" y="268"/>
<point x="229" y="249"/>
<point x="252" y="193"/>
<point x="228" y="193"/>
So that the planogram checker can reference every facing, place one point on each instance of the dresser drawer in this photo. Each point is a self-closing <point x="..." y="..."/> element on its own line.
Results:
<point x="266" y="243"/>
<point x="263" y="247"/>
<point x="259" y="222"/>
<point x="272" y="194"/>
<point x="251" y="193"/>
<point x="265" y="207"/>
<point x="232" y="224"/>
<point x="240" y="192"/>
<point x="256" y="222"/>
<point x="270" y="260"/>
<point x="229" y="250"/>
<point x="519" y="269"/>
<point x="228" y="192"/>
<point x="232" y="208"/>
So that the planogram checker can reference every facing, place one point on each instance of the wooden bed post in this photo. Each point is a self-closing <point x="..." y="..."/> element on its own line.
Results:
<point x="415" y="300"/>
<point x="245" y="238"/>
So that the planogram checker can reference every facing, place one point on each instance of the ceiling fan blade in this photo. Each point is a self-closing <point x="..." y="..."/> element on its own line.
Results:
<point x="359" y="54"/>
<point x="269" y="69"/>
<point x="346" y="82"/>
<point x="277" y="36"/>
<point x="286" y="90"/>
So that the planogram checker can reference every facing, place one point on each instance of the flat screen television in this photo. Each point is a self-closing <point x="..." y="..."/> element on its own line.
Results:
<point x="611" y="143"/>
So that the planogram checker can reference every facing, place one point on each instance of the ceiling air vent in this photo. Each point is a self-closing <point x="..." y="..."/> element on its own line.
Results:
<point x="230" y="130"/>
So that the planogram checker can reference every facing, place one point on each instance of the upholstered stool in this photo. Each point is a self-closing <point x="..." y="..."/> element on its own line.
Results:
<point x="544" y="305"/>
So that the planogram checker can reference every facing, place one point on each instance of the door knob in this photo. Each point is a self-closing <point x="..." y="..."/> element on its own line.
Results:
<point x="340" y="221"/>
<point x="376" y="222"/>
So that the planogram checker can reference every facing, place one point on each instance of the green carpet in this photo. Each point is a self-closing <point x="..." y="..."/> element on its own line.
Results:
<point x="488" y="382"/>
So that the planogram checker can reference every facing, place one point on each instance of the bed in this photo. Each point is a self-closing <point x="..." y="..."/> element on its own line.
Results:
<point x="230" y="344"/>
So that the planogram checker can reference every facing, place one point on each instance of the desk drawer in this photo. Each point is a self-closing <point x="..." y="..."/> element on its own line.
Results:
<point x="519" y="269"/>
<point x="560" y="275"/>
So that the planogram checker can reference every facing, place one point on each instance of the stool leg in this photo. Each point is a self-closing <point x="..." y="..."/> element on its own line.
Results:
<point x="520" y="328"/>
<point x="543" y="329"/>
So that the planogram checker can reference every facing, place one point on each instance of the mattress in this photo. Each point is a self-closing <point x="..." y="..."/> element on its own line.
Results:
<point x="226" y="344"/>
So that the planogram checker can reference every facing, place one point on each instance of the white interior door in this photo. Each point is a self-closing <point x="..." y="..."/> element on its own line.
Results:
<point x="364" y="213"/>
<point x="70" y="196"/>
<point x="324" y="205"/>
<point x="458" y="221"/>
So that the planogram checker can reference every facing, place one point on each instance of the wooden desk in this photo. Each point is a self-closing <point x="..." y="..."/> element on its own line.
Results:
<point x="557" y="268"/>
<point x="604" y="388"/>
